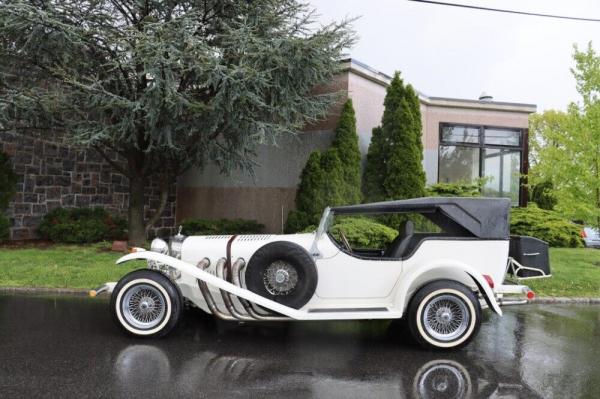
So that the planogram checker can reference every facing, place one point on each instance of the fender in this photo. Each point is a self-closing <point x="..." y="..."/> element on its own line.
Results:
<point x="187" y="268"/>
<point x="476" y="276"/>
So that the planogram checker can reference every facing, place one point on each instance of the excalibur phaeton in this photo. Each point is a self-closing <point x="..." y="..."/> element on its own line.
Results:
<point x="450" y="259"/>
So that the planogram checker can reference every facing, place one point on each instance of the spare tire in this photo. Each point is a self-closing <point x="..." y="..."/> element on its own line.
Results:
<point x="283" y="272"/>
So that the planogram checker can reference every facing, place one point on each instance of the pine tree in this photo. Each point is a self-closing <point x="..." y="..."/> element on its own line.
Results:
<point x="346" y="145"/>
<point x="330" y="178"/>
<point x="166" y="85"/>
<point x="394" y="167"/>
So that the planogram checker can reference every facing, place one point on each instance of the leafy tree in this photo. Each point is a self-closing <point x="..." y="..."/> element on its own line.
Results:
<point x="567" y="145"/>
<point x="330" y="178"/>
<point x="166" y="85"/>
<point x="394" y="167"/>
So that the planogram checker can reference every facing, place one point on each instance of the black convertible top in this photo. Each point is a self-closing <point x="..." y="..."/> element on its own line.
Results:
<point x="485" y="218"/>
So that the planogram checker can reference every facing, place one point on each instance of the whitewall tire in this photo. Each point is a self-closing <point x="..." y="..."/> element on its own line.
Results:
<point x="145" y="303"/>
<point x="444" y="314"/>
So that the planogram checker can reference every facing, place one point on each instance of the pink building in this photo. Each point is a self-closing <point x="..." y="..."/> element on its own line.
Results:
<point x="462" y="140"/>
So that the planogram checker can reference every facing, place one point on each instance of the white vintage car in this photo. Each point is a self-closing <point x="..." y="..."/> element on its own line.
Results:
<point x="450" y="259"/>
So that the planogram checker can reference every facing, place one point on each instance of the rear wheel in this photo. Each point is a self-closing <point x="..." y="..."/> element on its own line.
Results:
<point x="146" y="303"/>
<point x="444" y="314"/>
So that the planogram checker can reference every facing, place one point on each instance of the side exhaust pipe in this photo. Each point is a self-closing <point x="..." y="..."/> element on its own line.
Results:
<point x="232" y="312"/>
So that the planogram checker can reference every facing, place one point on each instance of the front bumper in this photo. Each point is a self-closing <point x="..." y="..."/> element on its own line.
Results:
<point x="106" y="287"/>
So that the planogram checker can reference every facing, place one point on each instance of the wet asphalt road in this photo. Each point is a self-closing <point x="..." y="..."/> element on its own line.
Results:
<point x="69" y="347"/>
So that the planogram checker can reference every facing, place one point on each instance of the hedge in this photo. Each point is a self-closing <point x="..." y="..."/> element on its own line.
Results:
<point x="81" y="225"/>
<point x="204" y="227"/>
<point x="361" y="232"/>
<point x="545" y="225"/>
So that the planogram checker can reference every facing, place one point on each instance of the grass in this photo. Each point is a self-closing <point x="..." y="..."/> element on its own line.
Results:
<point x="61" y="266"/>
<point x="575" y="271"/>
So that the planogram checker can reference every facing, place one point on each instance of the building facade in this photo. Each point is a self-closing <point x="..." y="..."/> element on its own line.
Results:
<point x="462" y="139"/>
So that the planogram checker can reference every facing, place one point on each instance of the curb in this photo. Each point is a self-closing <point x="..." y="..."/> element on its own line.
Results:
<point x="83" y="292"/>
<point x="38" y="290"/>
<point x="566" y="300"/>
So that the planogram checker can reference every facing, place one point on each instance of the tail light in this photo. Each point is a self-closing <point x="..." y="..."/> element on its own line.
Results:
<point x="530" y="295"/>
<point x="583" y="234"/>
<point x="489" y="280"/>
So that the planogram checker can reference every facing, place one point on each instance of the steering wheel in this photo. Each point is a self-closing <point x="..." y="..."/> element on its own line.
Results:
<point x="345" y="241"/>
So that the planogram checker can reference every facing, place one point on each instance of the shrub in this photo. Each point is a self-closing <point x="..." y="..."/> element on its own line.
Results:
<point x="543" y="196"/>
<point x="545" y="225"/>
<point x="221" y="226"/>
<point x="461" y="189"/>
<point x="363" y="233"/>
<point x="81" y="225"/>
<point x="4" y="228"/>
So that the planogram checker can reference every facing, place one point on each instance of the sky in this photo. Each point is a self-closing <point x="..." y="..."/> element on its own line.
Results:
<point x="455" y="52"/>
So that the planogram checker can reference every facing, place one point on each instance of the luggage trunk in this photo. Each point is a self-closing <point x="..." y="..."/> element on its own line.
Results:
<point x="531" y="253"/>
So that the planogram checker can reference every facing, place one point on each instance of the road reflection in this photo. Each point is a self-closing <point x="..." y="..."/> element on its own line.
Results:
<point x="300" y="364"/>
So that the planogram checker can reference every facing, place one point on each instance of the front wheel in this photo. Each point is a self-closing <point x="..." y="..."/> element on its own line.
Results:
<point x="146" y="303"/>
<point x="444" y="314"/>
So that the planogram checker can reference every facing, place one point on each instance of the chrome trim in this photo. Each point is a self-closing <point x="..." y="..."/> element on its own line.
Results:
<point x="210" y="302"/>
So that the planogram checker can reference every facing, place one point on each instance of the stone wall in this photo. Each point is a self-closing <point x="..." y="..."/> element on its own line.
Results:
<point x="52" y="175"/>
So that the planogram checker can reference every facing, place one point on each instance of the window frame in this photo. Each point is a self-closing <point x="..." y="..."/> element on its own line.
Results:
<point x="521" y="148"/>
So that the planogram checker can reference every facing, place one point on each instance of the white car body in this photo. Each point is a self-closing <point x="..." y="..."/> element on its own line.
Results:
<point x="349" y="287"/>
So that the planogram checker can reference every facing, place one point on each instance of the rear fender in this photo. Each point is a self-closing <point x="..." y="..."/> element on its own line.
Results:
<point x="215" y="281"/>
<point x="444" y="270"/>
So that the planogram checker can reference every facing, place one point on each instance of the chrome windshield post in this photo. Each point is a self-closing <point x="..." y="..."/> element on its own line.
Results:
<point x="323" y="226"/>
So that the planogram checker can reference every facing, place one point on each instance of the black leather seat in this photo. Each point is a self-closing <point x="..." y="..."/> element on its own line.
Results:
<point x="397" y="247"/>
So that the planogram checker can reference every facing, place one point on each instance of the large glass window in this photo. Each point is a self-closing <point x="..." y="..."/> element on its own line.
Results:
<point x="467" y="153"/>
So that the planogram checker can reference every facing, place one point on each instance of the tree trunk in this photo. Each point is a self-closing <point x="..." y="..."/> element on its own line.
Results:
<point x="137" y="229"/>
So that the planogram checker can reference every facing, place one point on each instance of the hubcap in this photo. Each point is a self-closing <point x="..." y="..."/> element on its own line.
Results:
<point x="280" y="278"/>
<point x="143" y="306"/>
<point x="446" y="318"/>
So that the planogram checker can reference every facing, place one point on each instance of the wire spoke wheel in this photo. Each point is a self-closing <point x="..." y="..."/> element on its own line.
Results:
<point x="143" y="306"/>
<point x="280" y="278"/>
<point x="446" y="318"/>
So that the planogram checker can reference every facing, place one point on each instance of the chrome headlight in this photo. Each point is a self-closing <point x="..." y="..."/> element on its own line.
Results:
<point x="160" y="246"/>
<point x="176" y="244"/>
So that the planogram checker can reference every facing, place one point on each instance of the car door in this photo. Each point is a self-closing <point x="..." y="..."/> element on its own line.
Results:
<point x="343" y="275"/>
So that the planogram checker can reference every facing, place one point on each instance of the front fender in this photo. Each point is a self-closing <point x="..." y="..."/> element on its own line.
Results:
<point x="409" y="283"/>
<point x="187" y="268"/>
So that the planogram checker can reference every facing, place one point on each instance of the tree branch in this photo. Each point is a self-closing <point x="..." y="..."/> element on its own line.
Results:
<point x="115" y="165"/>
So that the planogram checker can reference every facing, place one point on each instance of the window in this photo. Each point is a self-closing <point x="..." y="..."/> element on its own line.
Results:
<point x="469" y="152"/>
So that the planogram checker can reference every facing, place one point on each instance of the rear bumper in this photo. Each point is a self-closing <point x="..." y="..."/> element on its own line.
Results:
<point x="513" y="294"/>
<point x="106" y="287"/>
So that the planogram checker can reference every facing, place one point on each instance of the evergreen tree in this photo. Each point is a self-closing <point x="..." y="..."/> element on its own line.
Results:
<point x="346" y="145"/>
<point x="394" y="167"/>
<point x="373" y="176"/>
<point x="330" y="178"/>
<point x="166" y="85"/>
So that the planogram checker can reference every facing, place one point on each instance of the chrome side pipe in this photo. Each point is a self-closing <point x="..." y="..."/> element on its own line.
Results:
<point x="236" y="270"/>
<point x="232" y="312"/>
<point x="228" y="298"/>
<point x="210" y="302"/>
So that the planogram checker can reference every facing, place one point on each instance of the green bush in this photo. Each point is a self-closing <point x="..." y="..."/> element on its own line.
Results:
<point x="204" y="227"/>
<point x="81" y="225"/>
<point x="542" y="194"/>
<point x="4" y="228"/>
<point x="363" y="233"/>
<point x="545" y="225"/>
<point x="460" y="189"/>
